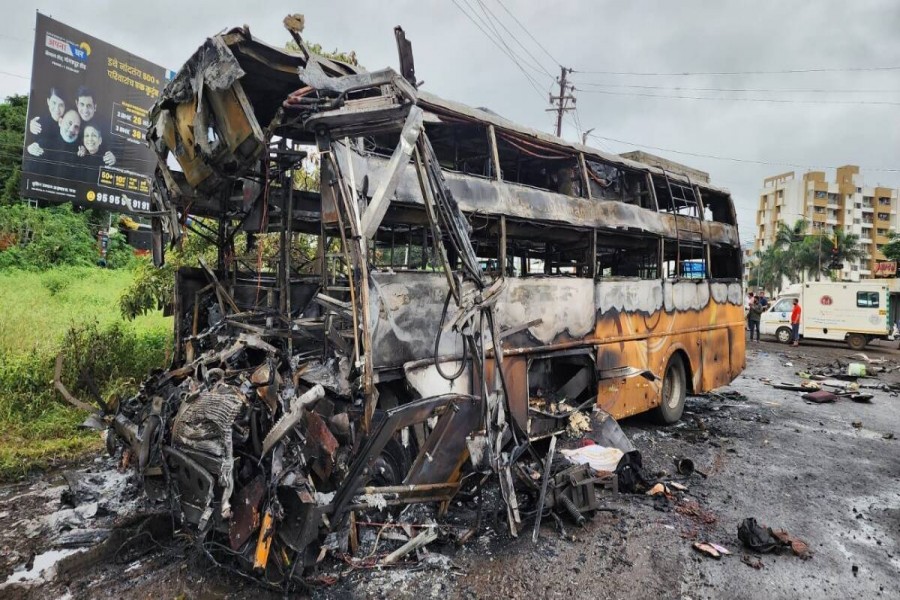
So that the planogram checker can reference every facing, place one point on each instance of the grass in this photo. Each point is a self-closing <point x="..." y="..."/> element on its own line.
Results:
<point x="38" y="308"/>
<point x="74" y="310"/>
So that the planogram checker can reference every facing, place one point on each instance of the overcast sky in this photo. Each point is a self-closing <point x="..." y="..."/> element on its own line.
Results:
<point x="456" y="60"/>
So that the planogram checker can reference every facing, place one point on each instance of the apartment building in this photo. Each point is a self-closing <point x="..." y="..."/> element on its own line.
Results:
<point x="846" y="203"/>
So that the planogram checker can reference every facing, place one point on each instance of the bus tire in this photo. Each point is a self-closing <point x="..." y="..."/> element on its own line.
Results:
<point x="784" y="335"/>
<point x="857" y="341"/>
<point x="672" y="391"/>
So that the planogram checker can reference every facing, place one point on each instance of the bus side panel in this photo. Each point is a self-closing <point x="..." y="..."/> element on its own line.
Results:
<point x="625" y="396"/>
<point x="678" y="322"/>
<point x="722" y="348"/>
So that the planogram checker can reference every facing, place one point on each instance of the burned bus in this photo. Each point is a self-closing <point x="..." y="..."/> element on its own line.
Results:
<point x="479" y="294"/>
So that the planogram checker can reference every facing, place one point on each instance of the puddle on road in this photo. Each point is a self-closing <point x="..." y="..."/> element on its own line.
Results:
<point x="42" y="562"/>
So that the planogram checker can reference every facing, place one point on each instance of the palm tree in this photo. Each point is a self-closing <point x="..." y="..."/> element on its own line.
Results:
<point x="772" y="268"/>
<point x="793" y="258"/>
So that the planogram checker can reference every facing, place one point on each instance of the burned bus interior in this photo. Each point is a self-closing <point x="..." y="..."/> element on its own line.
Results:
<point x="468" y="296"/>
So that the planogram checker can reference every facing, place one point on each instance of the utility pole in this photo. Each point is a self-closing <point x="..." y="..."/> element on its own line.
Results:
<point x="559" y="102"/>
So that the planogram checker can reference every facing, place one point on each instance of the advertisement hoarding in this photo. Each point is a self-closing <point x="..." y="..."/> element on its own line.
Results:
<point x="88" y="110"/>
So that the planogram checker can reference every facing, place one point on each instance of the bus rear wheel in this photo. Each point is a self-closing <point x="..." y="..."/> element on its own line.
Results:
<point x="783" y="335"/>
<point x="857" y="341"/>
<point x="674" y="388"/>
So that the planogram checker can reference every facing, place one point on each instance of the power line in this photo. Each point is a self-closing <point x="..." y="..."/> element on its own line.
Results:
<point x="700" y="73"/>
<point x="769" y="100"/>
<point x="486" y="11"/>
<point x="497" y="44"/>
<point x="14" y="75"/>
<point x="731" y="158"/>
<point x="765" y="90"/>
<point x="528" y="33"/>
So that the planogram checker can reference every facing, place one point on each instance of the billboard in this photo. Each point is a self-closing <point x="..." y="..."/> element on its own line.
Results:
<point x="87" y="113"/>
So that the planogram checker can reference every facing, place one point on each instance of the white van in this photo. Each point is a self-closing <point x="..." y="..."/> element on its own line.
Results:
<point x="845" y="311"/>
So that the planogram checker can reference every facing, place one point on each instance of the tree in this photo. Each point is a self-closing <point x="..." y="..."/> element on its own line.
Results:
<point x="796" y="254"/>
<point x="13" y="113"/>
<point x="891" y="250"/>
<point x="771" y="269"/>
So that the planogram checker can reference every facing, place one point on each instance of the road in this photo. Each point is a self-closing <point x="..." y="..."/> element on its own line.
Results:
<point x="829" y="474"/>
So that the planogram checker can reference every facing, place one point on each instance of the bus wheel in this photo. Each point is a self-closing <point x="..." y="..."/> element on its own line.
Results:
<point x="674" y="387"/>
<point x="857" y="341"/>
<point x="784" y="335"/>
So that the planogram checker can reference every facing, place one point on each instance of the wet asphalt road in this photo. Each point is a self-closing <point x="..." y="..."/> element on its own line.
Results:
<point x="770" y="455"/>
<point x="802" y="467"/>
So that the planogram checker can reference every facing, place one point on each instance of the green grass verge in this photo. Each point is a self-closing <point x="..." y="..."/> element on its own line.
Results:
<point x="74" y="310"/>
<point x="38" y="308"/>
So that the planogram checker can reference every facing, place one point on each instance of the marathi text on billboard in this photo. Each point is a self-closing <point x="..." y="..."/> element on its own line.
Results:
<point x="88" y="110"/>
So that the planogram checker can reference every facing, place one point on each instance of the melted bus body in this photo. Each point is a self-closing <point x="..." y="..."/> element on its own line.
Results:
<point x="466" y="288"/>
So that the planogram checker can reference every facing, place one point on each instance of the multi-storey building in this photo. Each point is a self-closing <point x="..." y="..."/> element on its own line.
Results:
<point x="846" y="203"/>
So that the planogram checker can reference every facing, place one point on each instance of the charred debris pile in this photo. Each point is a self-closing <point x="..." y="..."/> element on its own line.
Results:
<point x="293" y="419"/>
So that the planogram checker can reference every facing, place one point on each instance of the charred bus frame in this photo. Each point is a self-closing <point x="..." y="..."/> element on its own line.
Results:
<point x="538" y="279"/>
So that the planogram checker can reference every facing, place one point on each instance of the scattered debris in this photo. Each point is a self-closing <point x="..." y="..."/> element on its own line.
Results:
<point x="856" y="370"/>
<point x="597" y="457"/>
<point x="685" y="466"/>
<point x="866" y="359"/>
<point x="710" y="549"/>
<point x="692" y="509"/>
<point x="764" y="539"/>
<point x="752" y="561"/>
<point x="819" y="397"/>
<point x="659" y="488"/>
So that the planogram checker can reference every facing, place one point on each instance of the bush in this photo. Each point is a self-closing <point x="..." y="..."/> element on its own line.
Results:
<point x="119" y="254"/>
<point x="46" y="237"/>
<point x="56" y="281"/>
<point x="36" y="423"/>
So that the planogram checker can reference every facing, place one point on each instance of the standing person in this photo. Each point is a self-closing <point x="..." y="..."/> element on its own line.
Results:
<point x="795" y="322"/>
<point x="753" y="318"/>
<point x="748" y="301"/>
<point x="763" y="301"/>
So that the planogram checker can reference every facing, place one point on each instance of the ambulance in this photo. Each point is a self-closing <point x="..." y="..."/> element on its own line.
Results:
<point x="855" y="312"/>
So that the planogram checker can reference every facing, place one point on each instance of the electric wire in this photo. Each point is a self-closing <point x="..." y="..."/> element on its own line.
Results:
<point x="722" y="99"/>
<point x="735" y="159"/>
<point x="528" y="33"/>
<point x="488" y="24"/>
<point x="758" y="90"/>
<point x="493" y="41"/>
<point x="14" y="75"/>
<point x="514" y="38"/>
<point x="759" y="72"/>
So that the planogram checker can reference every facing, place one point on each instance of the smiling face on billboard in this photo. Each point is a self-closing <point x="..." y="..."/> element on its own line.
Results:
<point x="92" y="139"/>
<point x="86" y="107"/>
<point x="70" y="126"/>
<point x="56" y="105"/>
